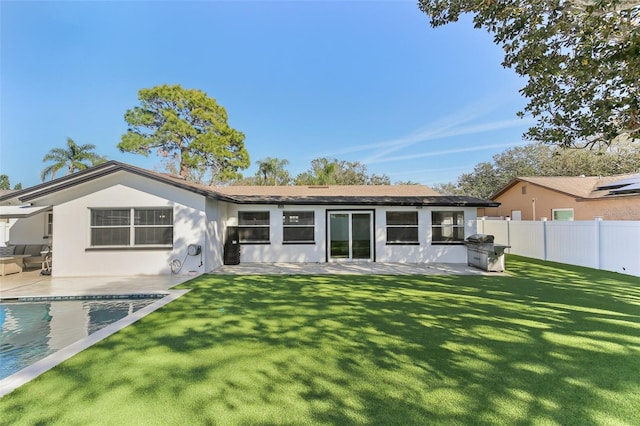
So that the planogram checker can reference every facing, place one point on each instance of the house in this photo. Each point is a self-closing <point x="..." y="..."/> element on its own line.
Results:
<point x="568" y="198"/>
<point x="117" y="219"/>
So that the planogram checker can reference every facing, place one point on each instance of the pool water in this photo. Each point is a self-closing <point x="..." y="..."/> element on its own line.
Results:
<point x="32" y="330"/>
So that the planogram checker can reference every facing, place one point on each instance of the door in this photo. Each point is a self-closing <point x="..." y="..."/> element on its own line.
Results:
<point x="350" y="236"/>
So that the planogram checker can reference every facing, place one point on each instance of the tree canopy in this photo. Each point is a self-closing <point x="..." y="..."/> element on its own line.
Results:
<point x="543" y="160"/>
<point x="580" y="58"/>
<point x="5" y="183"/>
<point x="74" y="157"/>
<point x="330" y="171"/>
<point x="188" y="127"/>
<point x="272" y="171"/>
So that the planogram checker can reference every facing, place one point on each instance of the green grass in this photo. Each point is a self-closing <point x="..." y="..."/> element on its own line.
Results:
<point x="550" y="344"/>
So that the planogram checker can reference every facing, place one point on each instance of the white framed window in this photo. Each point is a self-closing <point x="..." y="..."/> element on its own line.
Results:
<point x="402" y="227"/>
<point x="298" y="227"/>
<point x="131" y="227"/>
<point x="562" y="214"/>
<point x="447" y="227"/>
<point x="48" y="224"/>
<point x="254" y="227"/>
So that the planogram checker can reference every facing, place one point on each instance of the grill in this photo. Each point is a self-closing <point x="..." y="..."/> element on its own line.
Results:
<point x="484" y="254"/>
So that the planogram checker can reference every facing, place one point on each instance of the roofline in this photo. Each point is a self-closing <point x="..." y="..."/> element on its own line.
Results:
<point x="514" y="181"/>
<point x="98" y="171"/>
<point x="110" y="167"/>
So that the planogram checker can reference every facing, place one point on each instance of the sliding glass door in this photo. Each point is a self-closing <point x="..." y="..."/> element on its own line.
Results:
<point x="350" y="236"/>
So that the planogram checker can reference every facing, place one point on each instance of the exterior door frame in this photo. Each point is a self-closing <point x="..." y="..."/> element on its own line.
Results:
<point x="372" y="233"/>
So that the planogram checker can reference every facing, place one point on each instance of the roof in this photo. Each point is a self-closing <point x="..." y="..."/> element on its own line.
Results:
<point x="16" y="212"/>
<point x="584" y="187"/>
<point x="413" y="195"/>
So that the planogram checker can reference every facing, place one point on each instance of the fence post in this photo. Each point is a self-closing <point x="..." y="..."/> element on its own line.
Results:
<point x="544" y="239"/>
<point x="598" y="230"/>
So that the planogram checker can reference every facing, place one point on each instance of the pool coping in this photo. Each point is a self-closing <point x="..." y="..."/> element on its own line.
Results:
<point x="14" y="381"/>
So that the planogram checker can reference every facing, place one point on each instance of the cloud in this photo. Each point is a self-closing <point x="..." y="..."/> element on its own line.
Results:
<point x="445" y="152"/>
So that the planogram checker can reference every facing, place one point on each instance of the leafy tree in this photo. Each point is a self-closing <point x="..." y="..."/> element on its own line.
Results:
<point x="187" y="126"/>
<point x="74" y="157"/>
<point x="330" y="171"/>
<point x="17" y="186"/>
<point x="544" y="160"/>
<point x="271" y="171"/>
<point x="580" y="58"/>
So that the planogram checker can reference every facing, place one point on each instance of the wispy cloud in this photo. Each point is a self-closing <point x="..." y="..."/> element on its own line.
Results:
<point x="446" y="152"/>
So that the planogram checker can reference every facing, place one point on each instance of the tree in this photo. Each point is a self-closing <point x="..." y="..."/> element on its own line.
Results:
<point x="5" y="183"/>
<point x="187" y="126"/>
<point x="580" y="59"/>
<point x="74" y="157"/>
<point x="330" y="171"/>
<point x="271" y="171"/>
<point x="544" y="160"/>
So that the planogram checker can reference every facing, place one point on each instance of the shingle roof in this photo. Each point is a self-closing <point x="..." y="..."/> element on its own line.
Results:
<point x="334" y="194"/>
<point x="577" y="186"/>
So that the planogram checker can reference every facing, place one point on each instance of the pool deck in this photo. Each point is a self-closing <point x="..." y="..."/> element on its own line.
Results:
<point x="31" y="284"/>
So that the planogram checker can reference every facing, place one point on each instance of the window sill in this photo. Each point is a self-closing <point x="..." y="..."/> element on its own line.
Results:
<point x="255" y="242"/>
<point x="129" y="248"/>
<point x="284" y="243"/>
<point x="443" y="243"/>
<point x="415" y="243"/>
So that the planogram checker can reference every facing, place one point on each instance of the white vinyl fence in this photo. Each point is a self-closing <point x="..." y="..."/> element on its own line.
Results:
<point x="608" y="245"/>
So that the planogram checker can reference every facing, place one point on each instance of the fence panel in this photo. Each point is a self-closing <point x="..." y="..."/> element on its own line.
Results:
<point x="572" y="242"/>
<point x="609" y="245"/>
<point x="527" y="238"/>
<point x="620" y="246"/>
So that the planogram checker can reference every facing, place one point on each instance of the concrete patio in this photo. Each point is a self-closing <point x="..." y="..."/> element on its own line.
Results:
<point x="31" y="284"/>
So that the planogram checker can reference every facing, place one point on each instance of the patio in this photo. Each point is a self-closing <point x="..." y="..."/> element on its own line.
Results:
<point x="31" y="284"/>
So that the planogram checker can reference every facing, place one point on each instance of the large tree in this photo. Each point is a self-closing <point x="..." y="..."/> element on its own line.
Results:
<point x="188" y="126"/>
<point x="72" y="158"/>
<point x="581" y="59"/>
<point x="544" y="160"/>
<point x="330" y="171"/>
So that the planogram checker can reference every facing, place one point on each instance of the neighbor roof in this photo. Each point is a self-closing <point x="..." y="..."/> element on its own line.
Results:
<point x="341" y="194"/>
<point x="586" y="187"/>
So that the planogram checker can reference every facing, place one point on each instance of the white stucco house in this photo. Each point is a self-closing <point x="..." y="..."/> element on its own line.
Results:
<point x="118" y="219"/>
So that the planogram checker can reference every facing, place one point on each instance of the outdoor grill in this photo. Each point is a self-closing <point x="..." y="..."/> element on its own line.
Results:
<point x="484" y="254"/>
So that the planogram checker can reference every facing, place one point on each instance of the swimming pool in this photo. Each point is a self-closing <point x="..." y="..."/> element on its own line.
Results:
<point x="33" y="328"/>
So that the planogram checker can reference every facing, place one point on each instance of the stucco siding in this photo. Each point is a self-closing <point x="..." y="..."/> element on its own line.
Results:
<point x="424" y="251"/>
<point x="537" y="202"/>
<point x="73" y="256"/>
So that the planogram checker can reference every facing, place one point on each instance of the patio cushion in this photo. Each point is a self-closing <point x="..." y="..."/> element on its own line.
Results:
<point x="19" y="249"/>
<point x="34" y="249"/>
<point x="7" y="251"/>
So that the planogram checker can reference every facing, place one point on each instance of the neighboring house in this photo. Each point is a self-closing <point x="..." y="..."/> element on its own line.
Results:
<point x="568" y="198"/>
<point x="117" y="219"/>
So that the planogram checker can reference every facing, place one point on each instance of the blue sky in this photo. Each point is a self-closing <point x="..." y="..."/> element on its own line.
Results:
<point x="359" y="81"/>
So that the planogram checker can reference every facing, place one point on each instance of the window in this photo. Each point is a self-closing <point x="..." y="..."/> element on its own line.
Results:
<point x="298" y="227"/>
<point x="253" y="227"/>
<point x="562" y="214"/>
<point x="131" y="227"/>
<point x="402" y="228"/>
<point x="447" y="227"/>
<point x="48" y="225"/>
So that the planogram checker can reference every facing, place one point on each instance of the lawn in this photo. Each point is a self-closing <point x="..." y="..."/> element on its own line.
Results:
<point x="549" y="344"/>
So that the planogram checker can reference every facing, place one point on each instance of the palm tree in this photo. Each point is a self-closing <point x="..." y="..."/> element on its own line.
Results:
<point x="271" y="171"/>
<point x="75" y="157"/>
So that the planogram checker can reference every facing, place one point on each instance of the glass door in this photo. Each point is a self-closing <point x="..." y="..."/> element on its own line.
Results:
<point x="350" y="236"/>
